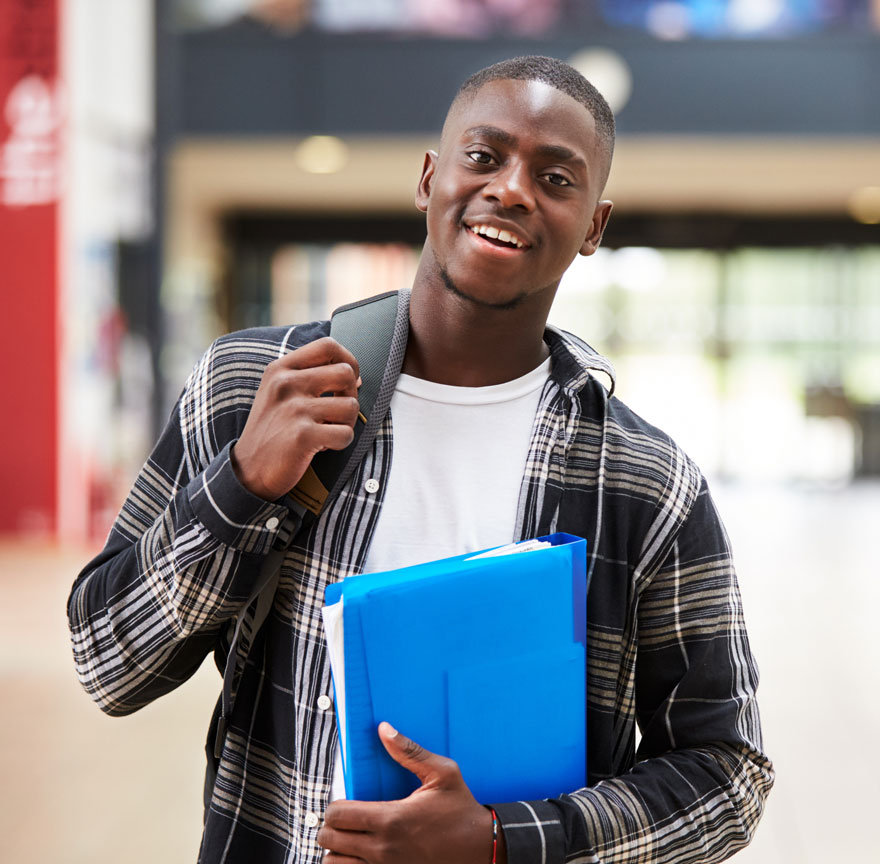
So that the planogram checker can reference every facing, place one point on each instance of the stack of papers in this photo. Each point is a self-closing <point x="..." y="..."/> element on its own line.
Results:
<point x="480" y="657"/>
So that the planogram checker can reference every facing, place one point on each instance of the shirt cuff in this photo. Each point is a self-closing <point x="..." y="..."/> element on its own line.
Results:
<point x="235" y="516"/>
<point x="532" y="832"/>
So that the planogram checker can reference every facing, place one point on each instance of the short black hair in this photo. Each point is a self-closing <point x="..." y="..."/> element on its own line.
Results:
<point x="556" y="73"/>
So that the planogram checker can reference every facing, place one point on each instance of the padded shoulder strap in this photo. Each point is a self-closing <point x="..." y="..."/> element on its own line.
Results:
<point x="366" y="328"/>
<point x="374" y="330"/>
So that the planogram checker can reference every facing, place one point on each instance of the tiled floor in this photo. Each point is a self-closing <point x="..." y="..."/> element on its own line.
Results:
<point x="82" y="788"/>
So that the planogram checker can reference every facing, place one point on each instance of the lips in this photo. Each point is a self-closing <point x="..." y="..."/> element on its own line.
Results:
<point x="499" y="235"/>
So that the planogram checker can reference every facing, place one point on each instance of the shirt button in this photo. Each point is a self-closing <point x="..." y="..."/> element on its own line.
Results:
<point x="324" y="702"/>
<point x="311" y="820"/>
<point x="272" y="523"/>
<point x="371" y="485"/>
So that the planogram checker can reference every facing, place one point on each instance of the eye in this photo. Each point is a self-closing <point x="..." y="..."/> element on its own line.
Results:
<point x="481" y="157"/>
<point x="558" y="179"/>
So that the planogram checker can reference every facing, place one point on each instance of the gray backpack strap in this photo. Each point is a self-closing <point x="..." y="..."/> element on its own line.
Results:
<point x="264" y="593"/>
<point x="374" y="330"/>
<point x="367" y="329"/>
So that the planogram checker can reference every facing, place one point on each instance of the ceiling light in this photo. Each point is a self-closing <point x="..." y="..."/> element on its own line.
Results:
<point x="321" y="154"/>
<point x="864" y="205"/>
<point x="608" y="72"/>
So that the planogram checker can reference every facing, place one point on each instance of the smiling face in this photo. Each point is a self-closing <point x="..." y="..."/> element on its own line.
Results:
<point x="513" y="194"/>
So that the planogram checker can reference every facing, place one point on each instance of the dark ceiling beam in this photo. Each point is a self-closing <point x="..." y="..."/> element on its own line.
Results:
<point x="244" y="79"/>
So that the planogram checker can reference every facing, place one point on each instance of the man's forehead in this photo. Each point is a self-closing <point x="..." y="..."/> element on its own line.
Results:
<point x="512" y="100"/>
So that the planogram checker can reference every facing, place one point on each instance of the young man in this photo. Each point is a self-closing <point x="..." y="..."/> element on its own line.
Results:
<point x="499" y="431"/>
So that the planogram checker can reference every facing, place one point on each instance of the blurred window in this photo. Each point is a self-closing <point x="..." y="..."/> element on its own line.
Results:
<point x="705" y="340"/>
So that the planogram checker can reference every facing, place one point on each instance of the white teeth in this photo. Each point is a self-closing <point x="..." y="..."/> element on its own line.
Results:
<point x="495" y="234"/>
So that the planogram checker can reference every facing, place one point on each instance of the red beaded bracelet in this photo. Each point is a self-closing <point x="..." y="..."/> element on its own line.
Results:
<point x="494" y="836"/>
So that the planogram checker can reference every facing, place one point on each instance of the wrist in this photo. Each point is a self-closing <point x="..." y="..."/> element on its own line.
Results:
<point x="245" y="480"/>
<point x="499" y="849"/>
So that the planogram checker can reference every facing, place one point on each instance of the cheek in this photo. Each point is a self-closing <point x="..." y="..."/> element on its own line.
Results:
<point x="451" y="201"/>
<point x="565" y="240"/>
<point x="444" y="215"/>
<point x="579" y="235"/>
<point x="437" y="220"/>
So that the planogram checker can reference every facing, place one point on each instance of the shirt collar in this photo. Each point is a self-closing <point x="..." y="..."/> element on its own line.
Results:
<point x="574" y="361"/>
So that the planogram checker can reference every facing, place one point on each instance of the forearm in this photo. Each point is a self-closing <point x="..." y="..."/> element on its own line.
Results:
<point x="688" y="806"/>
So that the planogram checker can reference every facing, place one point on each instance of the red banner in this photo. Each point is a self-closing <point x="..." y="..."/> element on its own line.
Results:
<point x="30" y="170"/>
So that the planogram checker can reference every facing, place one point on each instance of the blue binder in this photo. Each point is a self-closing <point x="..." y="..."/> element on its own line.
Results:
<point x="479" y="659"/>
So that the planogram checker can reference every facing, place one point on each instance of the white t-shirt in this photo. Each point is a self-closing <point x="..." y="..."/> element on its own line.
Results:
<point x="459" y="455"/>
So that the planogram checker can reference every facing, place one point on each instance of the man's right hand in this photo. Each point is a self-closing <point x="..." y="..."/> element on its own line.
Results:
<point x="290" y="420"/>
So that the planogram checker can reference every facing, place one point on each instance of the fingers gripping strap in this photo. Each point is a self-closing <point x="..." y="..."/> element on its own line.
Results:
<point x="367" y="329"/>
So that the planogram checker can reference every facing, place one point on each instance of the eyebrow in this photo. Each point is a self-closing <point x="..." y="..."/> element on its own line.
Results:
<point x="549" y="151"/>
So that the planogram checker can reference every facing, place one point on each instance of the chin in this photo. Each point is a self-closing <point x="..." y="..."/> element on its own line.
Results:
<point x="481" y="300"/>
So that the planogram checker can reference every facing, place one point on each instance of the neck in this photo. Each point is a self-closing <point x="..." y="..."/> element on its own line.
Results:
<point x="455" y="340"/>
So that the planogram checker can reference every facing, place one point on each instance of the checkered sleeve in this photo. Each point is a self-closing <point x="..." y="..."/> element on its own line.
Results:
<point x="698" y="786"/>
<point x="182" y="556"/>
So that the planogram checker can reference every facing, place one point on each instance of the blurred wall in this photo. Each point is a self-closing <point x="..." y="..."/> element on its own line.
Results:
<point x="108" y="73"/>
<point x="30" y="168"/>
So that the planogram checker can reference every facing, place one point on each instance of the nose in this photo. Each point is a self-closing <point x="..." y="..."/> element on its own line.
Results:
<point x="511" y="187"/>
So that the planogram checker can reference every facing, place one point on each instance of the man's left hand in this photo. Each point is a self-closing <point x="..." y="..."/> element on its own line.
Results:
<point x="441" y="822"/>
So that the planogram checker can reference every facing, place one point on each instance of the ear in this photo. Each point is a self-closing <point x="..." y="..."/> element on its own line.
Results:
<point x="597" y="227"/>
<point x="423" y="192"/>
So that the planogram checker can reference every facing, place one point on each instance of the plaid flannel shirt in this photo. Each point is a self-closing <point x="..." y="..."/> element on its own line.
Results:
<point x="667" y="648"/>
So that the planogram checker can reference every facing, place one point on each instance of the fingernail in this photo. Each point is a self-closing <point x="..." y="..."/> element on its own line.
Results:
<point x="392" y="732"/>
<point x="359" y="381"/>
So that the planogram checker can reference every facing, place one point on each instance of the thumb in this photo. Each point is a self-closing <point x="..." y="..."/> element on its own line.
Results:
<point x="430" y="768"/>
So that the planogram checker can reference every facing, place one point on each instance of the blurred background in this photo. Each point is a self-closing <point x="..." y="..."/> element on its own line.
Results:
<point x="170" y="171"/>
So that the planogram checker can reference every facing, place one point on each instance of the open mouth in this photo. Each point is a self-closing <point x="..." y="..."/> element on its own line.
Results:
<point x="499" y="238"/>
